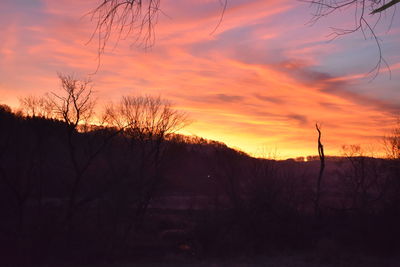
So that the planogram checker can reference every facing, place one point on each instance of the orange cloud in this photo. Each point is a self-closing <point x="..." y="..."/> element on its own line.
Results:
<point x="261" y="80"/>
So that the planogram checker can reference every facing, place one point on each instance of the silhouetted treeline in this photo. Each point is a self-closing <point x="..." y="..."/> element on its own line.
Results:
<point x="101" y="194"/>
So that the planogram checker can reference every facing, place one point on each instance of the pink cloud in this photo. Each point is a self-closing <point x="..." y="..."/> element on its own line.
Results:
<point x="262" y="79"/>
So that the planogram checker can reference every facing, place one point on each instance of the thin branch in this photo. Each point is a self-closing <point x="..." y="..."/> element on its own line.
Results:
<point x="364" y="21"/>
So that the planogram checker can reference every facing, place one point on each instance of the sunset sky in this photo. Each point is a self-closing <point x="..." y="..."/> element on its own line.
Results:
<point x="259" y="83"/>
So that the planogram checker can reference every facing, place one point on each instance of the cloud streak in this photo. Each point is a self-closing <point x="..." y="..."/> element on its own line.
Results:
<point x="261" y="80"/>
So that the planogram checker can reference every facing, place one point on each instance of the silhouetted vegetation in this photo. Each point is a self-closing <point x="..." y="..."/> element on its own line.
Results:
<point x="135" y="191"/>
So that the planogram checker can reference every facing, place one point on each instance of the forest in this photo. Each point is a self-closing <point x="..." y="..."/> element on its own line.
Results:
<point x="129" y="189"/>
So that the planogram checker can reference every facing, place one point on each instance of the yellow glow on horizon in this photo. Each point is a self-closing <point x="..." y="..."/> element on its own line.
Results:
<point x="259" y="83"/>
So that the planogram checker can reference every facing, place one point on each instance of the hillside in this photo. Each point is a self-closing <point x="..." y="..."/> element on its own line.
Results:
<point x="99" y="194"/>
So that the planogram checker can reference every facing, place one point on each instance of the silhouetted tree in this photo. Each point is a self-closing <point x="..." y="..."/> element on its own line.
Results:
<point x="392" y="143"/>
<point x="365" y="180"/>
<point x="146" y="121"/>
<point x="34" y="106"/>
<point x="5" y="109"/>
<point x="320" y="174"/>
<point x="75" y="107"/>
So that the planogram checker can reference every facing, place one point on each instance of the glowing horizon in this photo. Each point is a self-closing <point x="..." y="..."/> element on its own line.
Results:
<point x="259" y="83"/>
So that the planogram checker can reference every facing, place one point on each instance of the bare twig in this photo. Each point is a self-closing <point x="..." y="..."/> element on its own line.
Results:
<point x="365" y="12"/>
<point x="129" y="18"/>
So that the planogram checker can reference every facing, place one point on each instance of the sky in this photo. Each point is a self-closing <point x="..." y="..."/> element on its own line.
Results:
<point x="258" y="83"/>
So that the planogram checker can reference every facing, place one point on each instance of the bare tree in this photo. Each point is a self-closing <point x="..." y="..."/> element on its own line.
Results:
<point x="146" y="117"/>
<point x="146" y="121"/>
<point x="367" y="14"/>
<point x="365" y="181"/>
<point x="34" y="106"/>
<point x="392" y="146"/>
<point x="75" y="107"/>
<point x="320" y="174"/>
<point x="392" y="143"/>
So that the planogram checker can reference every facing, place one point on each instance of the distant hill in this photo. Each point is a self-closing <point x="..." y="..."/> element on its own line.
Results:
<point x="100" y="194"/>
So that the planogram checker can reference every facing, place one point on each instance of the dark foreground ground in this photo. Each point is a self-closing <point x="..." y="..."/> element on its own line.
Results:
<point x="278" y="259"/>
<point x="102" y="197"/>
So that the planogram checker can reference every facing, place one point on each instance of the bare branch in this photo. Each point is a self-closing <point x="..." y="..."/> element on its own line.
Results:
<point x="146" y="117"/>
<point x="123" y="17"/>
<point x="76" y="106"/>
<point x="365" y="21"/>
<point x="129" y="18"/>
<point x="385" y="6"/>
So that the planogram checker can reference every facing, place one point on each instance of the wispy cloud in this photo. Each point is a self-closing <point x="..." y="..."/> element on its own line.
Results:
<point x="261" y="79"/>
